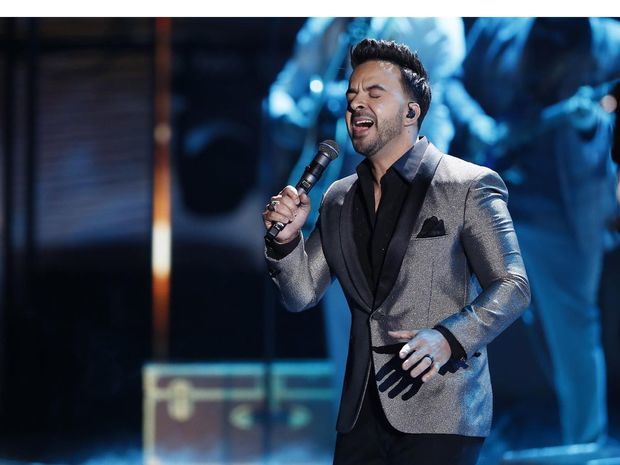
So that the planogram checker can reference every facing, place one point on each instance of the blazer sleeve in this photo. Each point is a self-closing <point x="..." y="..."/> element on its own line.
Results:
<point x="492" y="250"/>
<point x="303" y="275"/>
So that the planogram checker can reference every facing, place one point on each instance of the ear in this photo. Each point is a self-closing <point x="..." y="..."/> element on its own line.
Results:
<point x="413" y="114"/>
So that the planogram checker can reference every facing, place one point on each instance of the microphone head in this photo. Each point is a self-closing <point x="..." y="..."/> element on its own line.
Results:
<point x="329" y="148"/>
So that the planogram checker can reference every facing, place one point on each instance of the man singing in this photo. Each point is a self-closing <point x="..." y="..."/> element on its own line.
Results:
<point x="424" y="248"/>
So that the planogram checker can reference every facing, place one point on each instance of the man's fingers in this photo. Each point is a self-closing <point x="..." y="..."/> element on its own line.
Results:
<point x="275" y="216"/>
<point x="285" y="210"/>
<point x="416" y="358"/>
<point x="288" y="202"/>
<point x="421" y="367"/>
<point x="431" y="373"/>
<point x="290" y="192"/>
<point x="304" y="200"/>
<point x="283" y="205"/>
<point x="301" y="201"/>
<point x="403" y="334"/>
<point x="408" y="348"/>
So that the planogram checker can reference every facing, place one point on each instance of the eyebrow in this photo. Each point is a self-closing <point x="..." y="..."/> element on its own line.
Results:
<point x="372" y="87"/>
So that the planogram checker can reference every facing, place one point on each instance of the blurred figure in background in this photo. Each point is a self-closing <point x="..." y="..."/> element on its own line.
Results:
<point x="529" y="105"/>
<point x="307" y="104"/>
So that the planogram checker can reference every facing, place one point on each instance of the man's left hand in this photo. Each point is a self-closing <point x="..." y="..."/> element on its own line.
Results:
<point x="426" y="346"/>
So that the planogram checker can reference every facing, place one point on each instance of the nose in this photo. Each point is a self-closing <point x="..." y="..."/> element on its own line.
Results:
<point x="358" y="103"/>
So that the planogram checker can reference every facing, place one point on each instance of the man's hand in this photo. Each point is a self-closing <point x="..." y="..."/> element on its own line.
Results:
<point x="289" y="208"/>
<point x="426" y="346"/>
<point x="584" y="111"/>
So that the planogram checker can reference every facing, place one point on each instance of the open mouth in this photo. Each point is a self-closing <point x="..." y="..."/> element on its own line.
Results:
<point x="360" y="125"/>
<point x="363" y="123"/>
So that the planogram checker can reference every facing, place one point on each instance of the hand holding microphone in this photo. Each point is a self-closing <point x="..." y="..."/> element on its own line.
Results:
<point x="286" y="213"/>
<point x="290" y="209"/>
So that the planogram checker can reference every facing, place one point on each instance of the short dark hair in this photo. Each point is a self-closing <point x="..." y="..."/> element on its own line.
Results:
<point x="413" y="74"/>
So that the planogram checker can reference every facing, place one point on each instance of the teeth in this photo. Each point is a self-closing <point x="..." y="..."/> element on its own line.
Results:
<point x="362" y="122"/>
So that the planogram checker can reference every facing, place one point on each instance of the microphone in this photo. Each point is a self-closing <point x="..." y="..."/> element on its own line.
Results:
<point x="328" y="151"/>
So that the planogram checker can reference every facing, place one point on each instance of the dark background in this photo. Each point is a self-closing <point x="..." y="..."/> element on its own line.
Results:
<point x="76" y="146"/>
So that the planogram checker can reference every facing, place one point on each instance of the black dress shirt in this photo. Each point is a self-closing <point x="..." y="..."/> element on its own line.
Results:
<point x="372" y="230"/>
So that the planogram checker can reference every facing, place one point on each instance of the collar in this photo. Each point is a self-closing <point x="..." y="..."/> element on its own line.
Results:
<point x="407" y="165"/>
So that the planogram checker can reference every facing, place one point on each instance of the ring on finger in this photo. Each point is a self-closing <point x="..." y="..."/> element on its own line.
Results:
<point x="430" y="357"/>
<point x="272" y="206"/>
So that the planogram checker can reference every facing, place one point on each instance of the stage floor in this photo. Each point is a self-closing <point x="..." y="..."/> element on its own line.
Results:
<point x="521" y="427"/>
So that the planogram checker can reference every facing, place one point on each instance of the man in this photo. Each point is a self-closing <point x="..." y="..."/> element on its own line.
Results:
<point x="408" y="237"/>
<point x="321" y="43"/>
<point x="563" y="199"/>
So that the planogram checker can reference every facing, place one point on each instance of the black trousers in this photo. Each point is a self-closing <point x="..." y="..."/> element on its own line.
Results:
<point x="373" y="441"/>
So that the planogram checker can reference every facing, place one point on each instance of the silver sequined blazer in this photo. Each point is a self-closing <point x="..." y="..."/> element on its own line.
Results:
<point x="471" y="280"/>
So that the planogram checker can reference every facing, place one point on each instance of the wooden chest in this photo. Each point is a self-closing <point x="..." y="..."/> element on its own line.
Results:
<point x="218" y="413"/>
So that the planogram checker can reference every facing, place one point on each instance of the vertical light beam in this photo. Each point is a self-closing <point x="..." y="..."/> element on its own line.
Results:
<point x="161" y="241"/>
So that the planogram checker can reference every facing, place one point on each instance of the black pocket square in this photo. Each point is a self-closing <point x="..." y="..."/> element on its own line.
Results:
<point x="432" y="227"/>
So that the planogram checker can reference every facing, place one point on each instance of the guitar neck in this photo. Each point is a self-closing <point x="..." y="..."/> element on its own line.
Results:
<point x="550" y="118"/>
<point x="355" y="31"/>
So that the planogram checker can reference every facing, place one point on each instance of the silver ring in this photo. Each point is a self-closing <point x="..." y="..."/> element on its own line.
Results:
<point x="431" y="357"/>
<point x="271" y="206"/>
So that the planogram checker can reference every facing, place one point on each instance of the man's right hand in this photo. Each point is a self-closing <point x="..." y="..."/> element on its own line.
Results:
<point x="290" y="209"/>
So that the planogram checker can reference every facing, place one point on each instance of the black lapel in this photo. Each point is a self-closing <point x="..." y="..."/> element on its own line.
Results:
<point x="349" y="250"/>
<point x="404" y="227"/>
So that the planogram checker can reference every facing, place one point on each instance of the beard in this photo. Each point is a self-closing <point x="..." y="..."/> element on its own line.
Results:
<point x="390" y="129"/>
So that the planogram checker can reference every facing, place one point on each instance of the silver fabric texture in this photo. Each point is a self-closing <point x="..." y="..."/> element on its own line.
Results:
<point x="471" y="280"/>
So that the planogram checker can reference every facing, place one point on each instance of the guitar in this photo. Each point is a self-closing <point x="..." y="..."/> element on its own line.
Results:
<point x="514" y="135"/>
<point x="328" y="89"/>
<point x="324" y="116"/>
